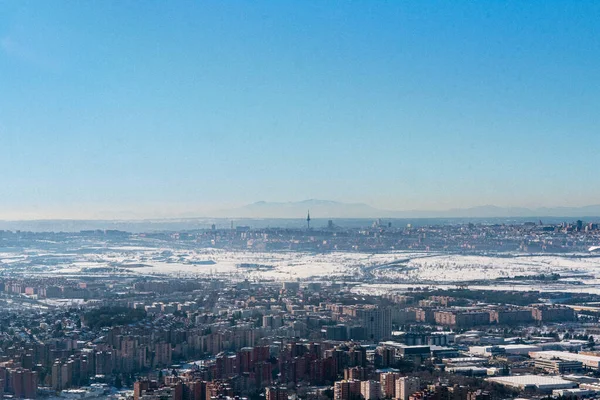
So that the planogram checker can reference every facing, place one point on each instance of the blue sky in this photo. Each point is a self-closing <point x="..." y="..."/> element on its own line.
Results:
<point x="156" y="108"/>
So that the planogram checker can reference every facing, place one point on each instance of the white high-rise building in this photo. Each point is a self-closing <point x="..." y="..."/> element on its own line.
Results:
<point x="407" y="385"/>
<point x="377" y="321"/>
<point x="370" y="390"/>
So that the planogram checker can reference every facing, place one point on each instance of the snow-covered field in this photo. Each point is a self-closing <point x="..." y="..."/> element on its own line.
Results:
<point x="217" y="262"/>
<point x="453" y="268"/>
<point x="383" y="288"/>
<point x="413" y="268"/>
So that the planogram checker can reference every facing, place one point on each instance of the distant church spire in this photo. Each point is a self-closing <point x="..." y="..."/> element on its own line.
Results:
<point x="308" y="220"/>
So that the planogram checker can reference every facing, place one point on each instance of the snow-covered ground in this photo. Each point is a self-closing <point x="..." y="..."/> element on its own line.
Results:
<point x="413" y="268"/>
<point x="383" y="288"/>
<point x="453" y="267"/>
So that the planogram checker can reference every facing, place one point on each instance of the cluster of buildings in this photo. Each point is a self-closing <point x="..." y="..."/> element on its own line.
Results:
<point x="383" y="236"/>
<point x="55" y="288"/>
<point x="199" y="338"/>
<point x="203" y="339"/>
<point x="446" y="311"/>
<point x="333" y="236"/>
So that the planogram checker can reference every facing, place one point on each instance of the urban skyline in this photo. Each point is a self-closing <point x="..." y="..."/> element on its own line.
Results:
<point x="299" y="200"/>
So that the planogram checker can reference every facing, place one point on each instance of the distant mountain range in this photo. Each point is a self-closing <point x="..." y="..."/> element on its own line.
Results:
<point x="318" y="208"/>
<point x="335" y="209"/>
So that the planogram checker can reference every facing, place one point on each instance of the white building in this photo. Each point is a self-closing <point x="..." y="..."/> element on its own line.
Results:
<point x="543" y="383"/>
<point x="587" y="361"/>
<point x="510" y="349"/>
<point x="370" y="390"/>
<point x="407" y="385"/>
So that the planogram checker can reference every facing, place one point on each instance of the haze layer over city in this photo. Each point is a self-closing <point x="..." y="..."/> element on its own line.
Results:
<point x="299" y="200"/>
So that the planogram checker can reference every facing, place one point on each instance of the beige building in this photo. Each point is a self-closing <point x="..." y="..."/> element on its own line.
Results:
<point x="407" y="385"/>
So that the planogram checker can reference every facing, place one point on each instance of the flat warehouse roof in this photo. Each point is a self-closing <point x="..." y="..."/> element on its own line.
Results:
<point x="536" y="380"/>
<point x="564" y="354"/>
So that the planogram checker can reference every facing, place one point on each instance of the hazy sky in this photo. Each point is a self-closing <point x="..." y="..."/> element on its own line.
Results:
<point x="168" y="106"/>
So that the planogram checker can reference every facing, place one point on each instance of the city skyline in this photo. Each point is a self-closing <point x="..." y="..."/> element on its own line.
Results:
<point x="193" y="107"/>
<point x="299" y="200"/>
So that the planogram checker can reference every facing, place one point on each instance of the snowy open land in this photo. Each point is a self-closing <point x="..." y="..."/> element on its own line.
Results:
<point x="578" y="272"/>
<point x="459" y="268"/>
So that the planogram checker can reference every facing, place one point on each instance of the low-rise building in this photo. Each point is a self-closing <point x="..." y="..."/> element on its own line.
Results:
<point x="592" y="362"/>
<point x="541" y="383"/>
<point x="558" y="366"/>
